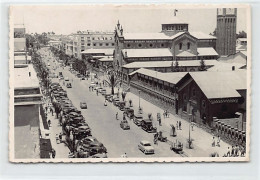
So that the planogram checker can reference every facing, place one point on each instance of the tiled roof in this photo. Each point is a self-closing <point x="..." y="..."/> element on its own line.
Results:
<point x="97" y="51"/>
<point x="207" y="51"/>
<point x="217" y="85"/>
<point x="172" y="77"/>
<point x="159" y="52"/>
<point x="174" y="20"/>
<point x="185" y="54"/>
<point x="201" y="35"/>
<point x="151" y="64"/>
<point x="147" y="36"/>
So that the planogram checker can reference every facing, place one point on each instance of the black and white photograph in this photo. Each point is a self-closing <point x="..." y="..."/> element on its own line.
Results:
<point x="129" y="83"/>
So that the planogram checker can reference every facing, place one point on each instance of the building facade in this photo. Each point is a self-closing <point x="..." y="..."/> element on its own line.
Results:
<point x="226" y="31"/>
<point x="174" y="42"/>
<point x="82" y="41"/>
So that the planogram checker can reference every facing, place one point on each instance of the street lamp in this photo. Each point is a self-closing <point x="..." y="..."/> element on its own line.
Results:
<point x="139" y="98"/>
<point x="189" y="140"/>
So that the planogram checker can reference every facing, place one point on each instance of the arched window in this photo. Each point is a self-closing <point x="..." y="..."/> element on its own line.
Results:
<point x="162" y="45"/>
<point x="180" y="46"/>
<point x="128" y="45"/>
<point x="188" y="45"/>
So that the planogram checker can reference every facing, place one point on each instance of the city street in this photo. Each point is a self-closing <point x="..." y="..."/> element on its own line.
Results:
<point x="103" y="123"/>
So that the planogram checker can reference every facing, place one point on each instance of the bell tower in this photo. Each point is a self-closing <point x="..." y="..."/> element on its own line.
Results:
<point x="226" y="31"/>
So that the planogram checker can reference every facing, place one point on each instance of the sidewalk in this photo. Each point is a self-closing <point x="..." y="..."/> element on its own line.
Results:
<point x="202" y="140"/>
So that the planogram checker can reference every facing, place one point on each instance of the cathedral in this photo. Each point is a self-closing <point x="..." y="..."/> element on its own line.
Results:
<point x="173" y="43"/>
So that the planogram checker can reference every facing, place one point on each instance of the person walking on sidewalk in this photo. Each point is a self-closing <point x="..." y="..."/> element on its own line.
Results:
<point x="177" y="125"/>
<point x="51" y="111"/>
<point x="218" y="141"/>
<point x="180" y="125"/>
<point x="213" y="142"/>
<point x="116" y="115"/>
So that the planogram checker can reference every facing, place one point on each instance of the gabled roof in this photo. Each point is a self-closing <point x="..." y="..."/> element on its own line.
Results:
<point x="154" y="64"/>
<point x="158" y="52"/>
<point x="174" y="20"/>
<point x="207" y="51"/>
<point x="147" y="36"/>
<point x="202" y="35"/>
<point x="172" y="77"/>
<point x="99" y="51"/>
<point x="185" y="54"/>
<point x="217" y="85"/>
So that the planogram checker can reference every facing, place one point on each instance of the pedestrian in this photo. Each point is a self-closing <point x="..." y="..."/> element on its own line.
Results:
<point x="49" y="123"/>
<point x="228" y="152"/>
<point x="218" y="141"/>
<point x="89" y="88"/>
<point x="180" y="125"/>
<point x="177" y="125"/>
<point x="213" y="142"/>
<point x="116" y="115"/>
<point x="97" y="92"/>
<point x="46" y="108"/>
<point x="236" y="150"/>
<point x="105" y="103"/>
<point x="53" y="152"/>
<point x="60" y="136"/>
<point x="51" y="111"/>
<point x="164" y="114"/>
<point x="160" y="122"/>
<point x="192" y="124"/>
<point x="233" y="151"/>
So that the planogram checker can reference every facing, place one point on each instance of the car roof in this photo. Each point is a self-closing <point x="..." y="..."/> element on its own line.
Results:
<point x="145" y="142"/>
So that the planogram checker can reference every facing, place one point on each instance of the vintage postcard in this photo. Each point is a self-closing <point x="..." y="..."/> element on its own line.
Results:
<point x="130" y="83"/>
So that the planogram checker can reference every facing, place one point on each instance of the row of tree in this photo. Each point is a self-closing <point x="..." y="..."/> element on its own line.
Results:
<point x="175" y="66"/>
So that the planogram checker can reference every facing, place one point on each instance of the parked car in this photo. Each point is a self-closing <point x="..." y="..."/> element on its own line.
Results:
<point x="107" y="96"/>
<point x="146" y="147"/>
<point x="94" y="148"/>
<point x="103" y="155"/>
<point x="69" y="85"/>
<point x="121" y="105"/>
<point x="138" y="119"/>
<point x="103" y="91"/>
<point x="66" y="78"/>
<point x="147" y="125"/>
<point x="89" y="139"/>
<point x="124" y="125"/>
<point x="130" y="113"/>
<point x="83" y="105"/>
<point x="116" y="101"/>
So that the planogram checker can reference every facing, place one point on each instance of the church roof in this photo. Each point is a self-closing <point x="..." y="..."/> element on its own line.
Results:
<point x="160" y="52"/>
<point x="98" y="51"/>
<point x="172" y="77"/>
<point x="185" y="54"/>
<point x="207" y="51"/>
<point x="174" y="20"/>
<point x="151" y="64"/>
<point x="217" y="85"/>
<point x="202" y="35"/>
<point x="145" y="36"/>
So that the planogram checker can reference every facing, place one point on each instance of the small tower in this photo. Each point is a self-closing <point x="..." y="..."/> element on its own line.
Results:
<point x="226" y="31"/>
<point x="174" y="26"/>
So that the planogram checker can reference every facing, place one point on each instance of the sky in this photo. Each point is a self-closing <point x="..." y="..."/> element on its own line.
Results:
<point x="64" y="19"/>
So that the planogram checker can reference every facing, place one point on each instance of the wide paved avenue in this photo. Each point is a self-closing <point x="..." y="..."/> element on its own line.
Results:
<point x="103" y="123"/>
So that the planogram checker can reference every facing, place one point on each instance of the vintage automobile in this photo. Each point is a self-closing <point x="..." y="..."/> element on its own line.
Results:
<point x="99" y="155"/>
<point x="138" y="119"/>
<point x="177" y="147"/>
<point x="83" y="105"/>
<point x="108" y="96"/>
<point x="147" y="125"/>
<point x="94" y="148"/>
<point x="121" y="105"/>
<point x="116" y="101"/>
<point x="103" y="92"/>
<point x="124" y="125"/>
<point x="66" y="78"/>
<point x="68" y="85"/>
<point x="89" y="139"/>
<point x="130" y="113"/>
<point x="146" y="147"/>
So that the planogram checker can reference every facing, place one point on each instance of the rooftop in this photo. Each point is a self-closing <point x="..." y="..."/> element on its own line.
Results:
<point x="99" y="51"/>
<point x="220" y="84"/>
<point x="22" y="79"/>
<point x="207" y="51"/>
<point x="185" y="54"/>
<point x="174" y="20"/>
<point x="151" y="64"/>
<point x="160" y="52"/>
<point x="202" y="35"/>
<point x="172" y="77"/>
<point x="143" y="36"/>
